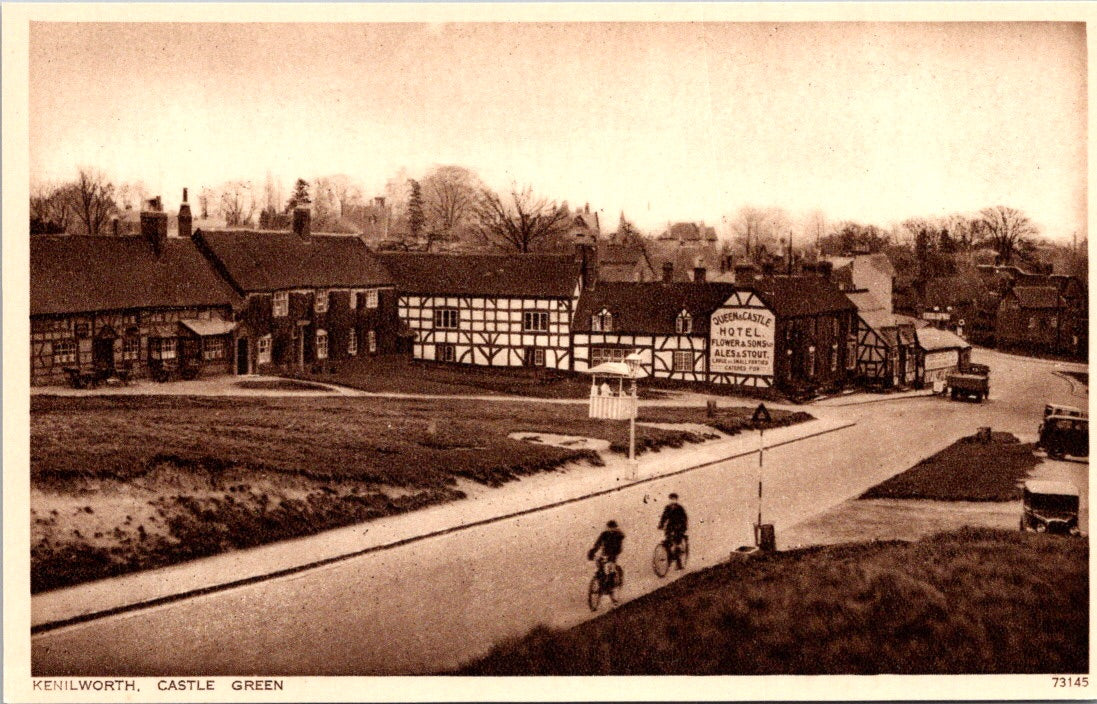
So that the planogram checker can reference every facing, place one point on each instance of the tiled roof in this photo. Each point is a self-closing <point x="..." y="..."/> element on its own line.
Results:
<point x="1037" y="296"/>
<point x="518" y="275"/>
<point x="73" y="274"/>
<point x="651" y="307"/>
<point x="259" y="260"/>
<point x="791" y="296"/>
<point x="931" y="339"/>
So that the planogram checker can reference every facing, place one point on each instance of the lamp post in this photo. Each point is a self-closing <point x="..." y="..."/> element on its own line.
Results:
<point x="633" y="362"/>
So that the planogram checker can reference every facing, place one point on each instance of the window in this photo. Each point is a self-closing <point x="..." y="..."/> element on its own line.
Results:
<point x="1032" y="322"/>
<point x="684" y="324"/>
<point x="352" y="342"/>
<point x="131" y="348"/>
<point x="64" y="351"/>
<point x="598" y="355"/>
<point x="811" y="361"/>
<point x="683" y="361"/>
<point x="321" y="302"/>
<point x="353" y="300"/>
<point x="280" y="304"/>
<point x="535" y="321"/>
<point x="371" y="298"/>
<point x="162" y="348"/>
<point x="602" y="322"/>
<point x="851" y="352"/>
<point x="213" y="348"/>
<point x="445" y="318"/>
<point x="371" y="338"/>
<point x="263" y="350"/>
<point x="834" y="357"/>
<point x="446" y="353"/>
<point x="1053" y="321"/>
<point x="321" y="344"/>
<point x="535" y="357"/>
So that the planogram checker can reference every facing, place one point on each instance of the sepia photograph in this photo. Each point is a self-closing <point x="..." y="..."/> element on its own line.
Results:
<point x="468" y="343"/>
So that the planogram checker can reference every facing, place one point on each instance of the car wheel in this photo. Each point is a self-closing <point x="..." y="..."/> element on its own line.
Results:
<point x="1041" y="527"/>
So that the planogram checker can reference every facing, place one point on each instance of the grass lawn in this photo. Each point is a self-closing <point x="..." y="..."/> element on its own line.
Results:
<point x="400" y="374"/>
<point x="971" y="601"/>
<point x="121" y="483"/>
<point x="967" y="470"/>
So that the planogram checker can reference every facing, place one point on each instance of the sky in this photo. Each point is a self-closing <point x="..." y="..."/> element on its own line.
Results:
<point x="872" y="122"/>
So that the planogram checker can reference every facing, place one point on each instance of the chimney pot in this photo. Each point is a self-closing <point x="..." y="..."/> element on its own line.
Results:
<point x="154" y="225"/>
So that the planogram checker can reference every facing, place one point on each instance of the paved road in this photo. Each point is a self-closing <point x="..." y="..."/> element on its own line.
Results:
<point x="429" y="605"/>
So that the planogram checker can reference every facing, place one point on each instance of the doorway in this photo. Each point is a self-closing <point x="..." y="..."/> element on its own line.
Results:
<point x="102" y="353"/>
<point x="242" y="356"/>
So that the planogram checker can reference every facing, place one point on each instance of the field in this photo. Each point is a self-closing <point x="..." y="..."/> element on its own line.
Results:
<point x="974" y="601"/>
<point x="123" y="483"/>
<point x="967" y="470"/>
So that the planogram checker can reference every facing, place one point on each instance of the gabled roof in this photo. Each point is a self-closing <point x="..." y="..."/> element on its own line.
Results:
<point x="865" y="301"/>
<point x="792" y="296"/>
<point x="651" y="307"/>
<point x="75" y="274"/>
<point x="516" y="275"/>
<point x="257" y="260"/>
<point x="931" y="339"/>
<point x="1037" y="296"/>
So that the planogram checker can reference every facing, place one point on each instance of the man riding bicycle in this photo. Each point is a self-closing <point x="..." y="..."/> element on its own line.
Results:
<point x="674" y="523"/>
<point x="610" y="543"/>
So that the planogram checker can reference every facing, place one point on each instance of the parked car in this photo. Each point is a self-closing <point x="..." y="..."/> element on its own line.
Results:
<point x="1064" y="435"/>
<point x="1050" y="507"/>
<point x="968" y="385"/>
<point x="1055" y="409"/>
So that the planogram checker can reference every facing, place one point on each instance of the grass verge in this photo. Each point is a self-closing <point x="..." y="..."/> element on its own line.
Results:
<point x="967" y="470"/>
<point x="124" y="483"/>
<point x="973" y="601"/>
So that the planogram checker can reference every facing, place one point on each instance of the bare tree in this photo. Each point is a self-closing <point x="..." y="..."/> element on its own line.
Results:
<point x="91" y="199"/>
<point x="237" y="203"/>
<point x="521" y="222"/>
<point x="1007" y="230"/>
<point x="450" y="198"/>
<point x="50" y="213"/>
<point x="814" y="228"/>
<point x="760" y="229"/>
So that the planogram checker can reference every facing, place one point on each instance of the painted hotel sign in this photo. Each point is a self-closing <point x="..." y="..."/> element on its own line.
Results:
<point x="741" y="342"/>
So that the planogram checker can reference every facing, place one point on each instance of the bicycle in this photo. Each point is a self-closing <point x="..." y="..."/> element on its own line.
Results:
<point x="607" y="579"/>
<point x="665" y="554"/>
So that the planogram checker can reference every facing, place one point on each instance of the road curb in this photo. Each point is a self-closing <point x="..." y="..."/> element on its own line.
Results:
<point x="285" y="572"/>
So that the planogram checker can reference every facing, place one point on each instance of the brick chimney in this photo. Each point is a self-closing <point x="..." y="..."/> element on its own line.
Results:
<point x="588" y="264"/>
<point x="699" y="274"/>
<point x="154" y="224"/>
<point x="302" y="221"/>
<point x="186" y="222"/>
<point x="668" y="272"/>
<point x="114" y="225"/>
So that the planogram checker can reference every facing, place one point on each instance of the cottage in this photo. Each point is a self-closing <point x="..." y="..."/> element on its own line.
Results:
<point x="126" y="306"/>
<point x="666" y="322"/>
<point x="1030" y="317"/>
<point x="887" y="346"/>
<point x="306" y="298"/>
<point x="941" y="352"/>
<point x="787" y="333"/>
<point x="490" y="309"/>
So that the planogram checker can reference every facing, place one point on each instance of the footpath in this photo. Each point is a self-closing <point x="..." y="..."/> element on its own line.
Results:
<point x="483" y="505"/>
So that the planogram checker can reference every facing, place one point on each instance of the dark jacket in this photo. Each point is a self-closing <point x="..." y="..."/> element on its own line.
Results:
<point x="674" y="518"/>
<point x="610" y="541"/>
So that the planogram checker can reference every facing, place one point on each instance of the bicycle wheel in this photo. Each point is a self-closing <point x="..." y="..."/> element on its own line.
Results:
<point x="660" y="561"/>
<point x="594" y="593"/>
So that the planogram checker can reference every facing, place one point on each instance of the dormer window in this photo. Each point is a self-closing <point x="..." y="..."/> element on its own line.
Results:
<point x="684" y="324"/>
<point x="602" y="321"/>
<point x="322" y="300"/>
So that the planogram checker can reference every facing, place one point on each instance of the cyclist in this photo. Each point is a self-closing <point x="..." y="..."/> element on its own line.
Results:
<point x="610" y="543"/>
<point x="674" y="523"/>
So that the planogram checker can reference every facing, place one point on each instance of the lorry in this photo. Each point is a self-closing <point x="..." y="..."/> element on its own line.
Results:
<point x="970" y="381"/>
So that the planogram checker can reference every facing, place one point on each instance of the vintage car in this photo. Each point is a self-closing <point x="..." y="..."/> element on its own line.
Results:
<point x="1062" y="435"/>
<point x="1056" y="409"/>
<point x="1050" y="507"/>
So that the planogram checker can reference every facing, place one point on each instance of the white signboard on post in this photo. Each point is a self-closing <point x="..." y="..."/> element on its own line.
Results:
<point x="741" y="342"/>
